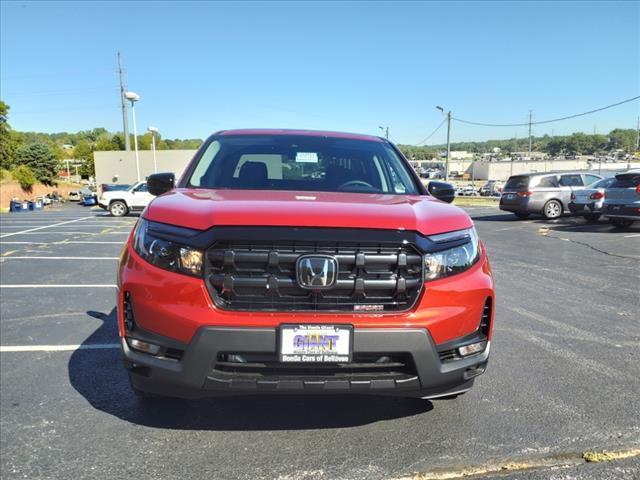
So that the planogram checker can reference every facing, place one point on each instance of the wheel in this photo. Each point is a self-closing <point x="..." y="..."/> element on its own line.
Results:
<point x="592" y="217"/>
<point x="620" y="222"/>
<point x="118" y="208"/>
<point x="522" y="215"/>
<point x="552" y="209"/>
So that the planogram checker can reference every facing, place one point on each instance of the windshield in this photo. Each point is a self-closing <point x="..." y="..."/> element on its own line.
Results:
<point x="297" y="162"/>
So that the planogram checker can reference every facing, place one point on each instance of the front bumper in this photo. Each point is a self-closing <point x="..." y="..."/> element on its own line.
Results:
<point x="196" y="373"/>
<point x="177" y="311"/>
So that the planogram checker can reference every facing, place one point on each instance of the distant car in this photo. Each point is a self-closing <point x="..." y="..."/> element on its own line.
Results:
<point x="44" y="199"/>
<point x="589" y="201"/>
<point x="89" y="200"/>
<point x="466" y="191"/>
<point x="548" y="194"/>
<point x="122" y="202"/>
<point x="75" y="196"/>
<point x="622" y="199"/>
<point x="491" y="188"/>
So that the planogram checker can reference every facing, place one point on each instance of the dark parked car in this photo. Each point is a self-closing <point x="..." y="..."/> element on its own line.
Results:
<point x="622" y="199"/>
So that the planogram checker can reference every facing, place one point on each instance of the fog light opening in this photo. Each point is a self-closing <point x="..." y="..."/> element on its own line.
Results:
<point x="472" y="349"/>
<point x="145" y="347"/>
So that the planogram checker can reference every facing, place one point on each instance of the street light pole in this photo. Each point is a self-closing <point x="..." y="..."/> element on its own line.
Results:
<point x="133" y="98"/>
<point x="446" y="165"/>
<point x="153" y="131"/>
<point x="135" y="140"/>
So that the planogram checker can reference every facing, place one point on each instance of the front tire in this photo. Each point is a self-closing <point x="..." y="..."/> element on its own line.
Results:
<point x="118" y="208"/>
<point x="620" y="222"/>
<point x="552" y="209"/>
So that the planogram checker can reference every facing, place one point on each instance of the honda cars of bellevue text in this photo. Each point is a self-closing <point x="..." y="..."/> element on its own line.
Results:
<point x="287" y="261"/>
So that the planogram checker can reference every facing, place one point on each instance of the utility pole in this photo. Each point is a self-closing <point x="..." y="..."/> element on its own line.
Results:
<point x="638" y="135"/>
<point x="67" y="161"/>
<point x="123" y="103"/>
<point x="530" y="113"/>
<point x="446" y="165"/>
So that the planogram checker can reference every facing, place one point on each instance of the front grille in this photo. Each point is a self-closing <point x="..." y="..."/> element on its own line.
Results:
<point x="255" y="276"/>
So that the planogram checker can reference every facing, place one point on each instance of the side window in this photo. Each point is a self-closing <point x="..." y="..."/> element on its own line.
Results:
<point x="571" y="181"/>
<point x="589" y="179"/>
<point x="141" y="188"/>
<point x="548" y="182"/>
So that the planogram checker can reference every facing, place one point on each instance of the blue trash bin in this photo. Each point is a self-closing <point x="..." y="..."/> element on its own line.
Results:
<point x="15" y="206"/>
<point x="31" y="205"/>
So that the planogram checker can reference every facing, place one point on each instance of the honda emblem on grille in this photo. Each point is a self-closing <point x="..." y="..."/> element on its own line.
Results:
<point x="317" y="272"/>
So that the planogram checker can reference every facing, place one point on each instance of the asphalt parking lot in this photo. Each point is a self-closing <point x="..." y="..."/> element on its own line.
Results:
<point x="563" y="378"/>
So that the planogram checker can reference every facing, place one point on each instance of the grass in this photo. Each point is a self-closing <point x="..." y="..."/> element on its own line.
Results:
<point x="476" y="201"/>
<point x="604" y="456"/>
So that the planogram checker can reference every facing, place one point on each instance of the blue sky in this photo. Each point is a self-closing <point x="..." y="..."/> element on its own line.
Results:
<point x="200" y="67"/>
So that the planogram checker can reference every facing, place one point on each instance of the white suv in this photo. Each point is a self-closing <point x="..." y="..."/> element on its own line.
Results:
<point x="122" y="202"/>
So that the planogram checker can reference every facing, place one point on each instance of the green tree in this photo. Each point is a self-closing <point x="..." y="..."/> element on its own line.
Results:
<point x="24" y="176"/>
<point x="41" y="160"/>
<point x="622" y="138"/>
<point x="83" y="151"/>
<point x="9" y="141"/>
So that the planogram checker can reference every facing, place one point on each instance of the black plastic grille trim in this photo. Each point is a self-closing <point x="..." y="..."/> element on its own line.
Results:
<point x="261" y="276"/>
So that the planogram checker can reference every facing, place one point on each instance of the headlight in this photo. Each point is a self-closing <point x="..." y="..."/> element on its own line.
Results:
<point x="454" y="260"/>
<point x="165" y="254"/>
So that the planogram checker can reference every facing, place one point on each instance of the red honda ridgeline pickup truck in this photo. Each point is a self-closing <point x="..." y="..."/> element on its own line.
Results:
<point x="288" y="261"/>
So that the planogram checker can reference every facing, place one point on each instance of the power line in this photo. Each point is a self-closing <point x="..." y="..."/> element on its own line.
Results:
<point x="482" y="124"/>
<point x="431" y="134"/>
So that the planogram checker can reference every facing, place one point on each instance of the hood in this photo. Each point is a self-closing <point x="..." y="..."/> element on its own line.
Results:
<point x="201" y="209"/>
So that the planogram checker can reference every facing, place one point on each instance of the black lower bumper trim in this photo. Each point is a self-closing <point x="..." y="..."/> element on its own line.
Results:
<point x="194" y="374"/>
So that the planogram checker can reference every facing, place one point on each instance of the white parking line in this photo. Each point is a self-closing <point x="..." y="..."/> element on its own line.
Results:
<point x="632" y="236"/>
<point x="87" y="241"/>
<point x="57" y="348"/>
<point x="84" y="224"/>
<point x="62" y="242"/>
<point x="57" y="258"/>
<point x="40" y="228"/>
<point x="66" y="233"/>
<point x="24" y="243"/>
<point x="32" y="285"/>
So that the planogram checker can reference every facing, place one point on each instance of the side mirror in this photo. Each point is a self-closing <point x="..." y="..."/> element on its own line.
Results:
<point x="160" y="183"/>
<point x="442" y="191"/>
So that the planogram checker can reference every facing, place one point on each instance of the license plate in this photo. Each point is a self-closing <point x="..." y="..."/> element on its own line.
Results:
<point x="615" y="207"/>
<point x="316" y="343"/>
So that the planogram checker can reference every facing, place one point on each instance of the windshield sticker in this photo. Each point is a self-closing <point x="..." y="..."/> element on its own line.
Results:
<point x="306" y="157"/>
